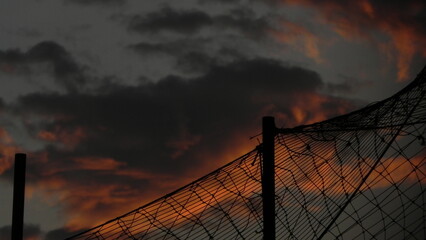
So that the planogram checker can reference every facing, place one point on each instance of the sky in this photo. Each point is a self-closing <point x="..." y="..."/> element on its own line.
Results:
<point x="118" y="102"/>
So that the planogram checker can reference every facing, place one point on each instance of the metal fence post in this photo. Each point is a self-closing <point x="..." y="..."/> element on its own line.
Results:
<point x="268" y="177"/>
<point x="18" y="196"/>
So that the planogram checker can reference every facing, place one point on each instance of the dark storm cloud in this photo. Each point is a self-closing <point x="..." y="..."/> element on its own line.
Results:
<point x="66" y="71"/>
<point x="153" y="116"/>
<point x="185" y="22"/>
<point x="30" y="232"/>
<point x="126" y="143"/>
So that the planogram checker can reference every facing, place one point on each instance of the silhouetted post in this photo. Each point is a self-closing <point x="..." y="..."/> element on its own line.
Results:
<point x="268" y="177"/>
<point x="18" y="196"/>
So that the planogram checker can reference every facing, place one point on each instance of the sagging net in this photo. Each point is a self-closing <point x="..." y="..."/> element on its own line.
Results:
<point x="357" y="176"/>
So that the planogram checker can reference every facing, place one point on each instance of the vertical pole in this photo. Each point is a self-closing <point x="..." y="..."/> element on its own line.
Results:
<point x="18" y="196"/>
<point x="268" y="177"/>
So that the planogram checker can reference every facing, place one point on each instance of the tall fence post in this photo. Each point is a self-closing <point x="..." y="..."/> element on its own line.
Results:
<point x="268" y="177"/>
<point x="18" y="196"/>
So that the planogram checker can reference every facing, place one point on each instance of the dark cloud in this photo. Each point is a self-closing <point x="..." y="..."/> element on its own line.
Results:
<point x="197" y="54"/>
<point x="168" y="19"/>
<point x="191" y="55"/>
<point x="245" y="21"/>
<point x="242" y="19"/>
<point x="125" y="143"/>
<point x="153" y="116"/>
<point x="30" y="232"/>
<point x="195" y="62"/>
<point x="65" y="70"/>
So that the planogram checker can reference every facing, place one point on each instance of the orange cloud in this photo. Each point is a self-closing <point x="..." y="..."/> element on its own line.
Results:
<point x="299" y="36"/>
<point x="407" y="43"/>
<point x="97" y="163"/>
<point x="68" y="138"/>
<point x="309" y="108"/>
<point x="364" y="19"/>
<point x="212" y="193"/>
<point x="296" y="170"/>
<point x="89" y="201"/>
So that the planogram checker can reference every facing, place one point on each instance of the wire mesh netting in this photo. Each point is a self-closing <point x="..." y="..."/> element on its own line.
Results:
<point x="357" y="176"/>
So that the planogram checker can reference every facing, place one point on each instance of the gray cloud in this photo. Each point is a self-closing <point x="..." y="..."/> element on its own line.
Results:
<point x="168" y="19"/>
<point x="173" y="48"/>
<point x="195" y="55"/>
<point x="65" y="70"/>
<point x="242" y="19"/>
<point x="227" y="37"/>
<point x="347" y="85"/>
<point x="245" y="21"/>
<point x="191" y="55"/>
<point x="195" y="62"/>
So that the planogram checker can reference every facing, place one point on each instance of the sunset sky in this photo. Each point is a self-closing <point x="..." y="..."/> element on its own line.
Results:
<point x="118" y="102"/>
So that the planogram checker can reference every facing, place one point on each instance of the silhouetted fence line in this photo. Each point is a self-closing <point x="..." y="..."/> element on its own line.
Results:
<point x="357" y="176"/>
